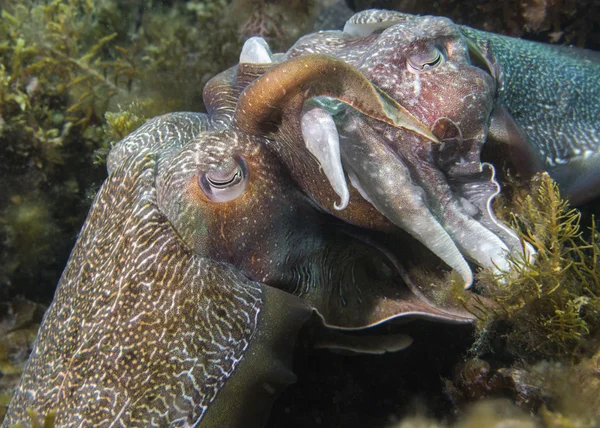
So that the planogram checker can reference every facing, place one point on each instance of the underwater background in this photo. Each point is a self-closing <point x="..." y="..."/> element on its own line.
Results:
<point x="76" y="76"/>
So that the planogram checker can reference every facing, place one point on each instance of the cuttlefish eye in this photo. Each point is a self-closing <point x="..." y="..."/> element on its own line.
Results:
<point x="425" y="59"/>
<point x="225" y="182"/>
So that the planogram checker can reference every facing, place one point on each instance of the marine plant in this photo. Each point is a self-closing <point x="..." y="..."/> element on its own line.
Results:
<point x="551" y="301"/>
<point x="56" y="79"/>
<point x="47" y="421"/>
<point x="63" y="66"/>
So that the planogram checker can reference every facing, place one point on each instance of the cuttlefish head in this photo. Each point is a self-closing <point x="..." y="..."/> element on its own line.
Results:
<point x="204" y="258"/>
<point x="230" y="198"/>
<point x="410" y="164"/>
<point x="423" y="63"/>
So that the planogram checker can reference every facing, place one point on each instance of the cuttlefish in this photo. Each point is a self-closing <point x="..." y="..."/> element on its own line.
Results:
<point x="444" y="199"/>
<point x="204" y="253"/>
<point x="538" y="103"/>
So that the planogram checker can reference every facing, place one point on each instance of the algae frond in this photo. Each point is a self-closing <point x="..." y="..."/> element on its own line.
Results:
<point x="551" y="301"/>
<point x="65" y="64"/>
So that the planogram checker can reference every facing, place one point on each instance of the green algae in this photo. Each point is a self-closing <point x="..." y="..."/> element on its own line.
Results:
<point x="75" y="76"/>
<point x="551" y="301"/>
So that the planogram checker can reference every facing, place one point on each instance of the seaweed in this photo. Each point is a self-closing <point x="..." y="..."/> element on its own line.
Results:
<point x="56" y="79"/>
<point x="76" y="75"/>
<point x="551" y="301"/>
<point x="19" y="323"/>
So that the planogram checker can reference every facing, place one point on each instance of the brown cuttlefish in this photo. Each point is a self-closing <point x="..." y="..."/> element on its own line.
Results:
<point x="214" y="239"/>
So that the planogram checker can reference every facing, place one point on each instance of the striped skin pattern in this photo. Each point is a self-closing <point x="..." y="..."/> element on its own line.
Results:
<point x="170" y="311"/>
<point x="142" y="331"/>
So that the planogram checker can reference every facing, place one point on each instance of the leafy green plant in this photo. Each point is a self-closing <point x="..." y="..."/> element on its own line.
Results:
<point x="65" y="64"/>
<point x="552" y="300"/>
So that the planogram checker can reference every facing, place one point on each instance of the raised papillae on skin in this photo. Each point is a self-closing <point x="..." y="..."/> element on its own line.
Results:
<point x="339" y="184"/>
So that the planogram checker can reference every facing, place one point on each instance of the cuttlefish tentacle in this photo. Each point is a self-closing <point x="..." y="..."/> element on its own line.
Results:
<point x="424" y="64"/>
<point x="310" y="76"/>
<point x="199" y="262"/>
<point x="308" y="131"/>
<point x="475" y="241"/>
<point x="388" y="185"/>
<point x="303" y="78"/>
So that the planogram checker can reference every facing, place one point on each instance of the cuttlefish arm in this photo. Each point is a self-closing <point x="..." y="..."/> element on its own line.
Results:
<point x="313" y="76"/>
<point x="344" y="296"/>
<point x="274" y="102"/>
<point x="145" y="332"/>
<point x="424" y="64"/>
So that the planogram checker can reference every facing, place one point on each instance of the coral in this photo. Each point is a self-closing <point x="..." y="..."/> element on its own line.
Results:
<point x="551" y="301"/>
<point x="563" y="395"/>
<point x="474" y="380"/>
<point x="487" y="413"/>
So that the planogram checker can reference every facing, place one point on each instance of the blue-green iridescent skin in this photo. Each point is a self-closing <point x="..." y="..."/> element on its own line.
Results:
<point x="553" y="94"/>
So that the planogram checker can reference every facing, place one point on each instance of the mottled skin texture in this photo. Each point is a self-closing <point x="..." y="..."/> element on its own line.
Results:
<point x="553" y="95"/>
<point x="451" y="96"/>
<point x="178" y="310"/>
<point x="143" y="331"/>
<point x="545" y="99"/>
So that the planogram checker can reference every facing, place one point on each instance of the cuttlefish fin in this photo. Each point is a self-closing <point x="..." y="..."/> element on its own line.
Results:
<point x="410" y="286"/>
<point x="383" y="303"/>
<point x="505" y="135"/>
<point x="579" y="178"/>
<point x="481" y="53"/>
<point x="265" y="370"/>
<point x="290" y="83"/>
<point x="344" y="342"/>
